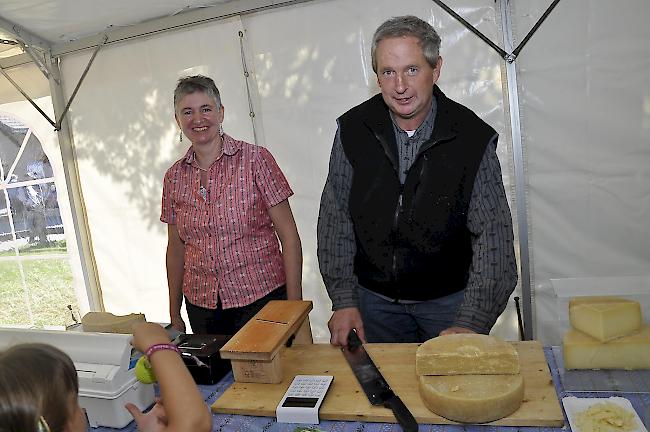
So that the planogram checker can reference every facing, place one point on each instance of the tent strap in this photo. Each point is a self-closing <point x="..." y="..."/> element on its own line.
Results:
<point x="36" y="58"/>
<point x="251" y="109"/>
<point x="57" y="124"/>
<point x="471" y="28"/>
<point x="532" y="31"/>
<point x="504" y="55"/>
<point x="83" y="76"/>
<point x="26" y="96"/>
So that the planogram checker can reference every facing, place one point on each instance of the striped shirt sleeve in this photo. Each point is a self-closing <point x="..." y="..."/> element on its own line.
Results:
<point x="493" y="273"/>
<point x="336" y="242"/>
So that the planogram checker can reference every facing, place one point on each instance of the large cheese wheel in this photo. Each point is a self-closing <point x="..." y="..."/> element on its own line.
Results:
<point x="472" y="398"/>
<point x="466" y="353"/>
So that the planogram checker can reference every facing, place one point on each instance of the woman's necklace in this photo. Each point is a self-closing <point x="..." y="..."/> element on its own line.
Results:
<point x="202" y="183"/>
<point x="204" y="178"/>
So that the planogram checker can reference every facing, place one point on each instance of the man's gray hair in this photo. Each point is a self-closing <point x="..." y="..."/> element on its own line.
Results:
<point x="191" y="84"/>
<point x="408" y="25"/>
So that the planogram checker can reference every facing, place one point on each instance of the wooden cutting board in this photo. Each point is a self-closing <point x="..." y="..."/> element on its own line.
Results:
<point x="346" y="400"/>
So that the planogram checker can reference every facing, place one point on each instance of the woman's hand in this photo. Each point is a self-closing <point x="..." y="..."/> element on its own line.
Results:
<point x="178" y="323"/>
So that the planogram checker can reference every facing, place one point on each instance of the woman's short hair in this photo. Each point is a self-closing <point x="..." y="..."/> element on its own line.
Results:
<point x="36" y="380"/>
<point x="191" y="84"/>
<point x="408" y="25"/>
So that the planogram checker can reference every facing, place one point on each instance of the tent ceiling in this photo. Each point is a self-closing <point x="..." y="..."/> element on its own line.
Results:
<point x="59" y="21"/>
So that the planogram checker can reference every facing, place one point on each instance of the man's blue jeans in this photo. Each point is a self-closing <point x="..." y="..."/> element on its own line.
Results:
<point x="386" y="321"/>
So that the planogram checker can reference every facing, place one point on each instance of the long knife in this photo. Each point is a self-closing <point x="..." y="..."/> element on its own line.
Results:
<point x="373" y="383"/>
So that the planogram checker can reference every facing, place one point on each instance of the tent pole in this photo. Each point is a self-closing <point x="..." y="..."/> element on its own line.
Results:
<point x="73" y="184"/>
<point x="520" y="179"/>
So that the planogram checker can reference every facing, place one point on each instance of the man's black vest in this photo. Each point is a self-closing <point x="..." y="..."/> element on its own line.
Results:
<point x="412" y="239"/>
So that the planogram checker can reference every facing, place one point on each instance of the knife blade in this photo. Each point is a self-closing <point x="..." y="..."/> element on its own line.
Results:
<point x="373" y="383"/>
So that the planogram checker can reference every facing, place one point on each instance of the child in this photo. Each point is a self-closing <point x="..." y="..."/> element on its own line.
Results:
<point x="39" y="389"/>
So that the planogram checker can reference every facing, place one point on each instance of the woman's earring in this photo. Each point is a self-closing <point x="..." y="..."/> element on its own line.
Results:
<point x="180" y="136"/>
<point x="221" y="129"/>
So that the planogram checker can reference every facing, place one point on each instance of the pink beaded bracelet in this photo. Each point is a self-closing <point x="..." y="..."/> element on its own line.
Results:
<point x="158" y="347"/>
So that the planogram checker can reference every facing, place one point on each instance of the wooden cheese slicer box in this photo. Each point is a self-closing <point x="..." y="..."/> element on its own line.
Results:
<point x="254" y="351"/>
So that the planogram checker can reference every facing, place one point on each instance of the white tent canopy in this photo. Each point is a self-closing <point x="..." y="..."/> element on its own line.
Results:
<point x="572" y="109"/>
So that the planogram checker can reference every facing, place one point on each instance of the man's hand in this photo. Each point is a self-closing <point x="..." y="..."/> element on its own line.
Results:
<point x="153" y="421"/>
<point x="454" y="330"/>
<point x="340" y="324"/>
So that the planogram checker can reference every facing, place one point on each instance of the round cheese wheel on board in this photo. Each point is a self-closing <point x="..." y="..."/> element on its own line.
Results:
<point x="472" y="398"/>
<point x="466" y="354"/>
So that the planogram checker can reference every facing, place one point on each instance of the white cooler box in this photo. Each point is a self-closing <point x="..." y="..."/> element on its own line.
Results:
<point x="102" y="360"/>
<point x="103" y="395"/>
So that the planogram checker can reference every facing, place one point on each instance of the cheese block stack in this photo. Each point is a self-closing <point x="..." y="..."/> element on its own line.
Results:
<point x="469" y="378"/>
<point x="606" y="333"/>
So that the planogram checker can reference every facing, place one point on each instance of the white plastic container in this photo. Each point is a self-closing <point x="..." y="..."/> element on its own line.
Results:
<point x="106" y="408"/>
<point x="103" y="363"/>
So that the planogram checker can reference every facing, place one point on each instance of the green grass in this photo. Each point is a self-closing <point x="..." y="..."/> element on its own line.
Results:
<point x="35" y="249"/>
<point x="48" y="291"/>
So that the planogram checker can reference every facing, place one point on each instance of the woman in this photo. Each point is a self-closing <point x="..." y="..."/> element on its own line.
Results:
<point x="226" y="205"/>
<point x="39" y="389"/>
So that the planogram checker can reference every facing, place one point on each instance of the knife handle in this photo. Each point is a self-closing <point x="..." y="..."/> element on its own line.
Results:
<point x="402" y="414"/>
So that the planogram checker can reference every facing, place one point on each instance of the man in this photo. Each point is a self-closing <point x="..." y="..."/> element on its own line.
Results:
<point x="35" y="198"/>
<point x="414" y="231"/>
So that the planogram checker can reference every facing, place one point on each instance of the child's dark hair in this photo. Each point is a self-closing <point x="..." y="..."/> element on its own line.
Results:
<point x="37" y="383"/>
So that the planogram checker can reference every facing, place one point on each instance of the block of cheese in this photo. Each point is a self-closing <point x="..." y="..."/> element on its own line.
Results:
<point x="605" y="318"/>
<point x="466" y="354"/>
<point x="106" y="322"/>
<point x="472" y="398"/>
<point x="581" y="351"/>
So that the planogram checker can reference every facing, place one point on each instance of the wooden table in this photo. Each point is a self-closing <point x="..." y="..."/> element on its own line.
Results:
<point x="346" y="400"/>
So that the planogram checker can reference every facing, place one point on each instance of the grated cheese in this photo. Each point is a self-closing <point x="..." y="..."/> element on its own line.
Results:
<point x="605" y="417"/>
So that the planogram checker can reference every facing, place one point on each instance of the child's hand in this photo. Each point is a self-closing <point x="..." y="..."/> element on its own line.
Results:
<point x="147" y="334"/>
<point x="155" y="420"/>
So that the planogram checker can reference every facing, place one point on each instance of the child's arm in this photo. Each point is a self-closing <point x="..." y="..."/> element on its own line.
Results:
<point x="182" y="408"/>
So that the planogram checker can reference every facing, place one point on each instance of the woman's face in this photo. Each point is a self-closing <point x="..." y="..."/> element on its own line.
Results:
<point x="77" y="418"/>
<point x="198" y="117"/>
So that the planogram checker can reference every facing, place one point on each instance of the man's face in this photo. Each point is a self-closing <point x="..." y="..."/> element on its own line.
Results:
<point x="406" y="79"/>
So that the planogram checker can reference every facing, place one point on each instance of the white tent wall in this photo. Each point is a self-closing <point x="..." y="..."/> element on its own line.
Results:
<point x="585" y="103"/>
<point x="309" y="63"/>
